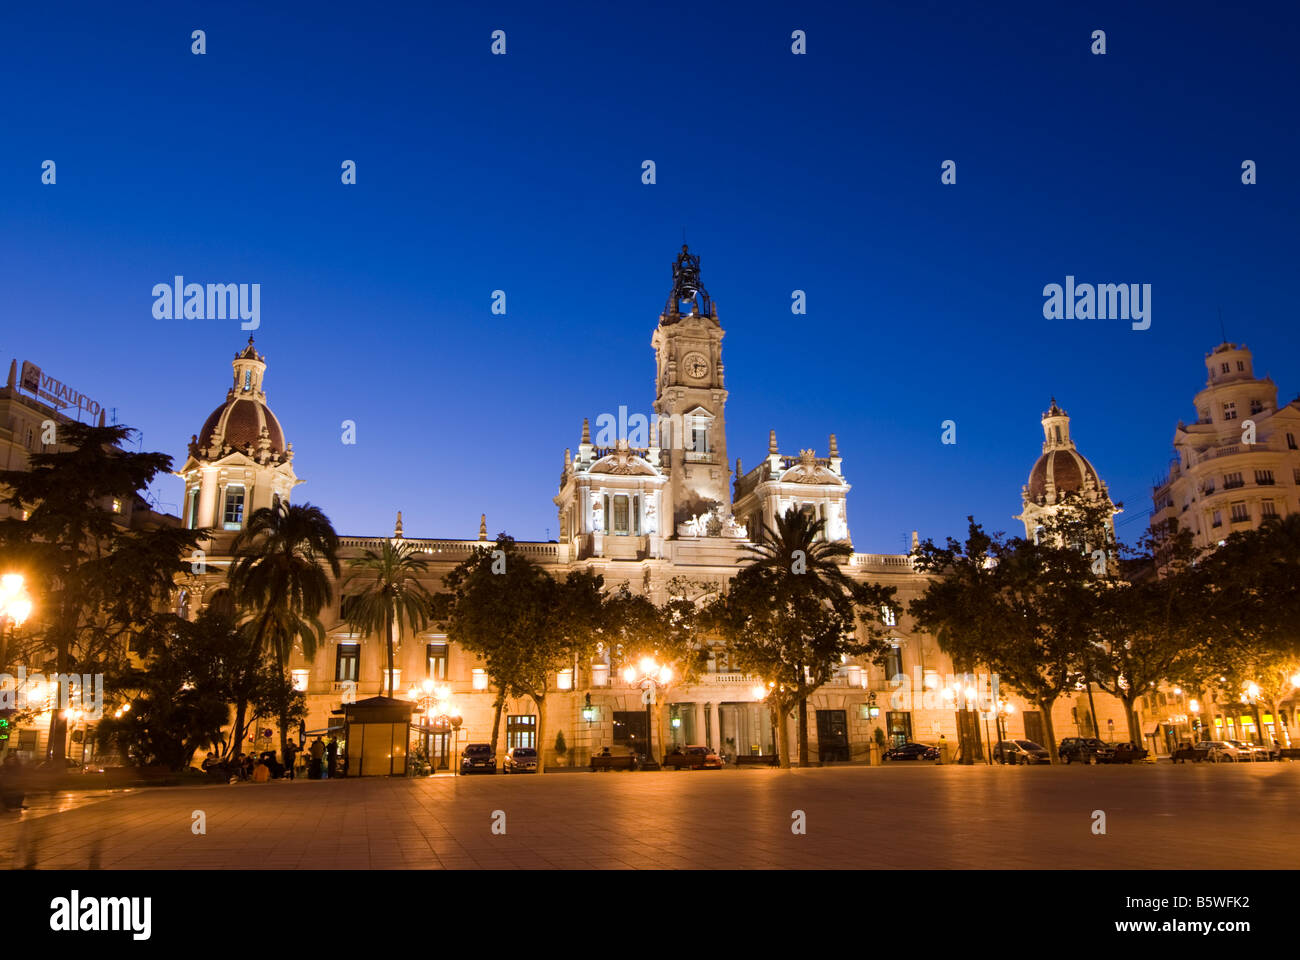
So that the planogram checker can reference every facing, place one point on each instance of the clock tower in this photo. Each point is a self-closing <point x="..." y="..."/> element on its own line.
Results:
<point x="690" y="399"/>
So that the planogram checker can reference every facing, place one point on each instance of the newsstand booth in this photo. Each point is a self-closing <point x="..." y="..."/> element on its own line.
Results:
<point x="377" y="733"/>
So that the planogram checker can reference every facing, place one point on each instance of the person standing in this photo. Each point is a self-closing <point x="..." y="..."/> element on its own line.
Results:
<point x="317" y="754"/>
<point x="290" y="753"/>
<point x="332" y="758"/>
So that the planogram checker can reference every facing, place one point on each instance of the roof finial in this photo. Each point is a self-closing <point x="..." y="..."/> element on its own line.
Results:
<point x="835" y="447"/>
<point x="13" y="372"/>
<point x="397" y="530"/>
<point x="586" y="430"/>
<point x="771" y="442"/>
<point x="482" y="526"/>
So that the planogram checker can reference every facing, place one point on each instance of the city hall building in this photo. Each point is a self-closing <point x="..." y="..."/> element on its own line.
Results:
<point x="647" y="505"/>
<point x="658" y="505"/>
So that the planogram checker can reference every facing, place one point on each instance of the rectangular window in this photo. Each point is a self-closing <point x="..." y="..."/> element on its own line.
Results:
<point x="233" y="514"/>
<point x="1290" y="441"/>
<point x="300" y="678"/>
<point x="1209" y="486"/>
<point x="480" y="678"/>
<point x="1230" y="411"/>
<point x="347" y="663"/>
<point x="564" y="680"/>
<point x="1267" y="509"/>
<point x="1218" y="519"/>
<point x="1232" y="481"/>
<point x="700" y="439"/>
<point x="900" y="727"/>
<point x="893" y="662"/>
<point x="1264" y="478"/>
<point x="1256" y="406"/>
<point x="521" y="731"/>
<point x="630" y="729"/>
<point x="435" y="661"/>
<point x="397" y="682"/>
<point x="1241" y="365"/>
<point x="1295" y="475"/>
<point x="600" y="674"/>
<point x="621" y="516"/>
<point x="194" y="509"/>
<point x="636" y="516"/>
<point x="1226" y="368"/>
<point x="1239" y="513"/>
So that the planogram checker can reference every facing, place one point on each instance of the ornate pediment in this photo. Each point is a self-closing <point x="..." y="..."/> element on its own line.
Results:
<point x="623" y="463"/>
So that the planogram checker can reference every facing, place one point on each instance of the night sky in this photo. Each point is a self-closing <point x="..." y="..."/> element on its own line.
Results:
<point x="523" y="173"/>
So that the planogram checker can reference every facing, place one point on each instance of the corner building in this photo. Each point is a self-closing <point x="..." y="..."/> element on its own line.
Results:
<point x="644" y="506"/>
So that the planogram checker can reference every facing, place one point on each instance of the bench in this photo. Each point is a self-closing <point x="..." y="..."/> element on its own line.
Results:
<point x="757" y="760"/>
<point x="613" y="762"/>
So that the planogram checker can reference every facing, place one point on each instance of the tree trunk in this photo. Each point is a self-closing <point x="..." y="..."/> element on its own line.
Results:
<point x="783" y="735"/>
<point x="496" y="722"/>
<point x="237" y="731"/>
<point x="1130" y="714"/>
<point x="1049" y="728"/>
<point x="388" y="635"/>
<point x="282" y="721"/>
<point x="803" y="731"/>
<point x="540" y="703"/>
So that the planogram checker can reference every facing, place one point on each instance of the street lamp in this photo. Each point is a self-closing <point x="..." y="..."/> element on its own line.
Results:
<point x="649" y="675"/>
<point x="15" y="608"/>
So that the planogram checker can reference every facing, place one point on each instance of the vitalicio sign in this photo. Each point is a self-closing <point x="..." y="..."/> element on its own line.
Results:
<point x="57" y="392"/>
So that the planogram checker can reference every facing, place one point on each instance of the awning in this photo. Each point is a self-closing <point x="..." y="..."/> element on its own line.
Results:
<point x="323" y="731"/>
<point x="1151" y="728"/>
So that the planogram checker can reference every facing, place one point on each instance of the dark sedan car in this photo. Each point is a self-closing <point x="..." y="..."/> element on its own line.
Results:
<point x="478" y="758"/>
<point x="1128" y="753"/>
<point x="1085" y="750"/>
<point x="1020" y="751"/>
<point x="520" y="760"/>
<point x="913" y="751"/>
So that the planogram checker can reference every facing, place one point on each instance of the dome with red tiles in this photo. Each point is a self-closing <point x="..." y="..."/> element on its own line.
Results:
<point x="244" y="419"/>
<point x="1061" y="469"/>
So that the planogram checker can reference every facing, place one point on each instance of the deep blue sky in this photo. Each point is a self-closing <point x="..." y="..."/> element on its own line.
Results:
<point x="817" y="172"/>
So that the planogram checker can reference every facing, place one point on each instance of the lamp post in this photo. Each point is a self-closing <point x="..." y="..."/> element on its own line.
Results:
<point x="649" y="675"/>
<point x="15" y="608"/>
<point x="1252" y="696"/>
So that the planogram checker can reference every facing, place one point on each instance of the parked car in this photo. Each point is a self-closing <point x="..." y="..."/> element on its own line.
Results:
<point x="478" y="758"/>
<point x="1212" y="751"/>
<point x="1128" y="753"/>
<point x="1085" y="750"/>
<point x="520" y="760"/>
<point x="693" y="758"/>
<point x="1251" y="751"/>
<point x="1020" y="751"/>
<point x="913" y="751"/>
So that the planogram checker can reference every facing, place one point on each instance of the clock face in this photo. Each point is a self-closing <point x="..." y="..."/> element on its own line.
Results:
<point x="697" y="367"/>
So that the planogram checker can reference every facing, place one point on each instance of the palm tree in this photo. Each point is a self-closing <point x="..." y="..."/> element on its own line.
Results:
<point x="796" y="553"/>
<point x="280" y="582"/>
<point x="392" y="596"/>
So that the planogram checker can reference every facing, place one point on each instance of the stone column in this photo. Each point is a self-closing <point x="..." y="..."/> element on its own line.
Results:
<point x="698" y="731"/>
<point x="715" y="735"/>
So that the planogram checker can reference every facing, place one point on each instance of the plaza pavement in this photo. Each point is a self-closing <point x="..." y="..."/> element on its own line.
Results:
<point x="1235" y="816"/>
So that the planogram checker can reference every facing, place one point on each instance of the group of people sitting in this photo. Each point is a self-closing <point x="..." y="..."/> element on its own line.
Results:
<point x="319" y="761"/>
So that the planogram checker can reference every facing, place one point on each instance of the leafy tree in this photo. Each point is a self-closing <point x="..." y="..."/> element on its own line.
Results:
<point x="1147" y="621"/>
<point x="95" y="582"/>
<point x="279" y="581"/>
<point x="1023" y="607"/>
<point x="791" y="616"/>
<point x="1253" y="619"/>
<point x="178" y="702"/>
<point x="392" y="597"/>
<point x="493" y="610"/>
